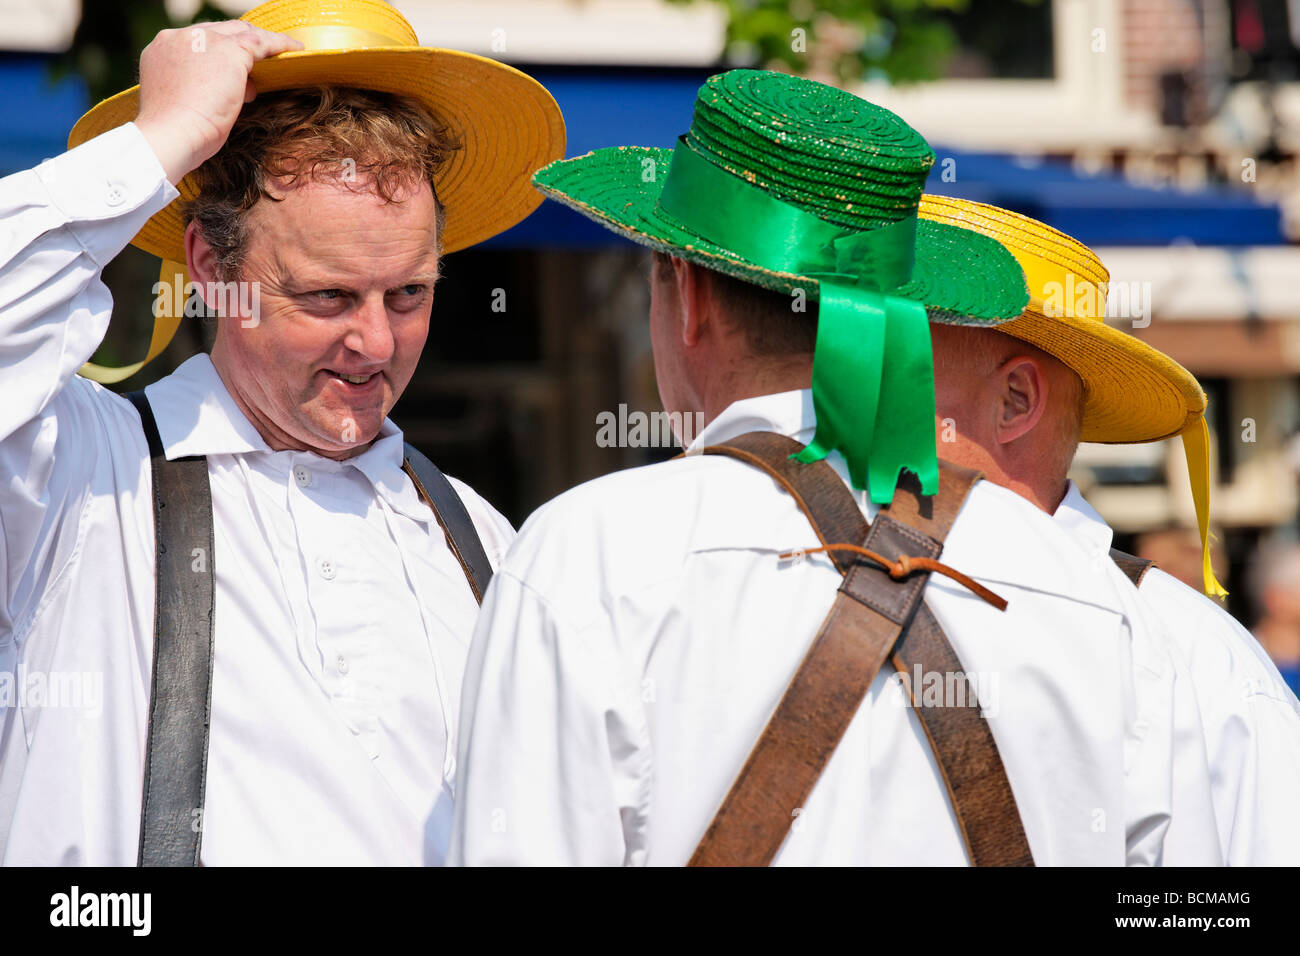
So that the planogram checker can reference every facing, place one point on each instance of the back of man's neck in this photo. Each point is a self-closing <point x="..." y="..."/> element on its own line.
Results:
<point x="753" y="381"/>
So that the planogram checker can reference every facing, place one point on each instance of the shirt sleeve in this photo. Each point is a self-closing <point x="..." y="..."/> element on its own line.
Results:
<point x="1252" y="729"/>
<point x="60" y="223"/>
<point x="1261" y="752"/>
<point x="554" y="751"/>
<point x="1253" y="736"/>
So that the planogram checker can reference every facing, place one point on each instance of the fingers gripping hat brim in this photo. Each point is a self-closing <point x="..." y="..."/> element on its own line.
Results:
<point x="962" y="277"/>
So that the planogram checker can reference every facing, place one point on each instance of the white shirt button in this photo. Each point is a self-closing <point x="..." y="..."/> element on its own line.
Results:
<point x="115" y="195"/>
<point x="326" y="568"/>
<point x="302" y="475"/>
<point x="342" y="663"/>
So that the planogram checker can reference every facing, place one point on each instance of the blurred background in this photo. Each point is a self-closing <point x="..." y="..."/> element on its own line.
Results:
<point x="1163" y="133"/>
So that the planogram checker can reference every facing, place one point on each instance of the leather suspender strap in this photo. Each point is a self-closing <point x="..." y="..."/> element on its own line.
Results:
<point x="180" y="698"/>
<point x="874" y="617"/>
<point x="457" y="527"/>
<point x="964" y="748"/>
<point x="1134" y="568"/>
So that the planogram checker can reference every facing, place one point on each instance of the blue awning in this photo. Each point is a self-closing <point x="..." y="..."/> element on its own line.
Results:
<point x="608" y="107"/>
<point x="1106" y="210"/>
<point x="639" y="108"/>
<point x="36" y="114"/>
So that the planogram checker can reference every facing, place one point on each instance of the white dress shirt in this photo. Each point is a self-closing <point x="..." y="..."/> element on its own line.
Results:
<point x="642" y="629"/>
<point x="342" y="618"/>
<point x="1237" y="729"/>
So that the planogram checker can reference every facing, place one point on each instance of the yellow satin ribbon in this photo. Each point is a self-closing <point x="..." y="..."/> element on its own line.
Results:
<point x="172" y="275"/>
<point x="1196" y="446"/>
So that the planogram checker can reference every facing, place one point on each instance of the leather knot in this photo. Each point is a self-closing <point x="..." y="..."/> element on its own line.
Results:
<point x="908" y="564"/>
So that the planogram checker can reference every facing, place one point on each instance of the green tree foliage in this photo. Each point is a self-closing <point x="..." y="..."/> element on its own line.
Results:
<point x="843" y="40"/>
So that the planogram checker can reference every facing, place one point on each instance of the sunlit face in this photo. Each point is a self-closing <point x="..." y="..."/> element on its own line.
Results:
<point x="346" y="286"/>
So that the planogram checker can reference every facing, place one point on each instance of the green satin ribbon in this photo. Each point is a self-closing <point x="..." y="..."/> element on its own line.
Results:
<point x="873" y="376"/>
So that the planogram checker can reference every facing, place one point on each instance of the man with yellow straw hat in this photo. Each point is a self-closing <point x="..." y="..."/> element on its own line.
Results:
<point x="795" y="644"/>
<point x="234" y="609"/>
<point x="1015" y="402"/>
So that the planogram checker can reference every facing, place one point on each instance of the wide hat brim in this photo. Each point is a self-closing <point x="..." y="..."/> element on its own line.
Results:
<point x="507" y="123"/>
<point x="963" y="278"/>
<point x="1132" y="392"/>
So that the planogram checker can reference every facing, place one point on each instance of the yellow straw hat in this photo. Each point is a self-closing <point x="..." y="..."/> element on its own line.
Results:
<point x="1132" y="392"/>
<point x="507" y="123"/>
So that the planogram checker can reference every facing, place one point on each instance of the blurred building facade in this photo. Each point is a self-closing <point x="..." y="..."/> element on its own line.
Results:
<point x="1164" y="133"/>
<point x="1198" y="99"/>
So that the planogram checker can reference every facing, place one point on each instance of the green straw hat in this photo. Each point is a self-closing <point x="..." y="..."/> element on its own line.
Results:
<point x="794" y="185"/>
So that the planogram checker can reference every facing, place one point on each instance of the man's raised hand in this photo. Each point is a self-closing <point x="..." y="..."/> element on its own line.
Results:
<point x="193" y="83"/>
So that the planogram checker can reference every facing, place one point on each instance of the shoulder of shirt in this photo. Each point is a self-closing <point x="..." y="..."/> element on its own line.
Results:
<point x="1214" y="642"/>
<point x="653" y="498"/>
<point x="634" y="529"/>
<point x="631" y="529"/>
<point x="87" y="409"/>
<point x="1001" y="538"/>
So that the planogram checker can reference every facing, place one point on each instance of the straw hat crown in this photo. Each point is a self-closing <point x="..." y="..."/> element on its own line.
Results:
<point x="824" y="150"/>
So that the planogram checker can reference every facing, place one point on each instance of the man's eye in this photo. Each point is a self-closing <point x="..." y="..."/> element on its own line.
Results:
<point x="410" y="290"/>
<point x="326" y="294"/>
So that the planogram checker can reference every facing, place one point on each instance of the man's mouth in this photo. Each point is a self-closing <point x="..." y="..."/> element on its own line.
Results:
<point x="354" y="381"/>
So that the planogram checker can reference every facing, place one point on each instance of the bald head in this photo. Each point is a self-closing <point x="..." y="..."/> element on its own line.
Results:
<point x="1006" y="408"/>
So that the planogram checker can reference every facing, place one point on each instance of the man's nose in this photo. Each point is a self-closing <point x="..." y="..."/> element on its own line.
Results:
<point x="369" y="332"/>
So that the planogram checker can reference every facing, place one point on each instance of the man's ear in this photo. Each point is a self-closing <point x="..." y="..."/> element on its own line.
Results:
<point x="200" y="260"/>
<point x="201" y="263"/>
<point x="692" y="292"/>
<point x="1022" y="397"/>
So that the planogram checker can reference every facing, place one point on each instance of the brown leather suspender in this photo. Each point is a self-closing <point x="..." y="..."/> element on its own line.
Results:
<point x="453" y="518"/>
<point x="1134" y="568"/>
<point x="180" y="692"/>
<point x="875" y="616"/>
<point x="180" y="698"/>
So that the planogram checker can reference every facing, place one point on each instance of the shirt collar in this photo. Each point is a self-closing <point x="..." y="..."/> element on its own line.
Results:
<point x="1081" y="519"/>
<point x="381" y="463"/>
<point x="196" y="415"/>
<point x="789" y="413"/>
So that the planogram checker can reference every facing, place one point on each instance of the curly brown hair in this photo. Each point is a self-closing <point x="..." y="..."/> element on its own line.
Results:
<point x="392" y="141"/>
